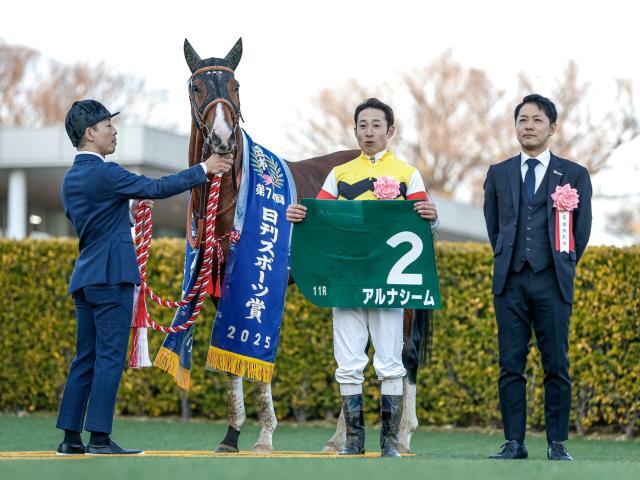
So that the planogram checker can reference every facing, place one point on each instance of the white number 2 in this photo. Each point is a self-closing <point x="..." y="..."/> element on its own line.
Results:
<point x="396" y="274"/>
<point x="232" y="331"/>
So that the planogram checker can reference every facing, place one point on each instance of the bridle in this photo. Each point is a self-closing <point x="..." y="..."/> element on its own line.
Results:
<point x="199" y="117"/>
<point x="210" y="140"/>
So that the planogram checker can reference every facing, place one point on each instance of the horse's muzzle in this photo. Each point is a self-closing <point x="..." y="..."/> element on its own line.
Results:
<point x="216" y="145"/>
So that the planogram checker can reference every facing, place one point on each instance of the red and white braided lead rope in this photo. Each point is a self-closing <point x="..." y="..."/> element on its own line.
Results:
<point x="143" y="242"/>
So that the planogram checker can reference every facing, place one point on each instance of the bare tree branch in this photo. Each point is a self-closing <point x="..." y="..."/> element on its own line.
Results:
<point x="331" y="127"/>
<point x="37" y="92"/>
<point x="579" y="136"/>
<point x="453" y="122"/>
<point x="626" y="222"/>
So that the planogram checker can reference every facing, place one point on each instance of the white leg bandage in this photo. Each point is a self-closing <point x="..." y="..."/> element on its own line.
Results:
<point x="350" y="389"/>
<point x="391" y="386"/>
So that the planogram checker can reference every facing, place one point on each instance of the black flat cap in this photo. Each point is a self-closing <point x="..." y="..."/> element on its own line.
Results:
<point x="82" y="115"/>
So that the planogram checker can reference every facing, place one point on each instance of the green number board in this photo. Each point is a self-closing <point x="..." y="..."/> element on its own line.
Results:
<point x="365" y="254"/>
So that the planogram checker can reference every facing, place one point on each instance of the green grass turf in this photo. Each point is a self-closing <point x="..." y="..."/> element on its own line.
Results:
<point x="439" y="455"/>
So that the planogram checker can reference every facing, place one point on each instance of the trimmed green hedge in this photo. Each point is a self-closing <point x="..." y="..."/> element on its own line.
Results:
<point x="458" y="388"/>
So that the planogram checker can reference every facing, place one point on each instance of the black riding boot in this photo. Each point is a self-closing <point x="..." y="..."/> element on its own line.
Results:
<point x="390" y="415"/>
<point x="354" y="421"/>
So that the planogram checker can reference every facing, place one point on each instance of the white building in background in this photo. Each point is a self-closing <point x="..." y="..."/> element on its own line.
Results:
<point x="33" y="163"/>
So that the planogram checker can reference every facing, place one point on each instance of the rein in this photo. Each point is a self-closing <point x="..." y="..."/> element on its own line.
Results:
<point x="143" y="229"/>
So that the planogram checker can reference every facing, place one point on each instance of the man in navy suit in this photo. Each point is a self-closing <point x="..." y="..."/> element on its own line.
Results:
<point x="533" y="273"/>
<point x="96" y="194"/>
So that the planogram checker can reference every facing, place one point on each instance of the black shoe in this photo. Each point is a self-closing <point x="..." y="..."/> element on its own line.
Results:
<point x="390" y="415"/>
<point x="66" y="448"/>
<point x="354" y="423"/>
<point x="557" y="451"/>
<point x="511" y="450"/>
<point x="111" y="449"/>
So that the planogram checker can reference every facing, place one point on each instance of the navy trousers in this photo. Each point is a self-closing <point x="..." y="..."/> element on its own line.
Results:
<point x="103" y="318"/>
<point x="533" y="300"/>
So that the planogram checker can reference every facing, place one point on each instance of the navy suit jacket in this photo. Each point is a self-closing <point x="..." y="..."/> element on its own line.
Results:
<point x="96" y="197"/>
<point x="501" y="202"/>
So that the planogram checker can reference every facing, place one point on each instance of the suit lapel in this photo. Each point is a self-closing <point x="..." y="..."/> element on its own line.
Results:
<point x="514" y="172"/>
<point x="554" y="178"/>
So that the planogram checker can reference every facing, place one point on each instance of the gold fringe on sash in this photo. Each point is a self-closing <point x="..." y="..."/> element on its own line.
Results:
<point x="240" y="365"/>
<point x="169" y="361"/>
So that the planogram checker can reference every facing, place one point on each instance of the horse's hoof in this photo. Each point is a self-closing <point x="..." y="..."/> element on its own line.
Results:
<point x="331" y="448"/>
<point x="222" y="448"/>
<point x="402" y="448"/>
<point x="266" y="449"/>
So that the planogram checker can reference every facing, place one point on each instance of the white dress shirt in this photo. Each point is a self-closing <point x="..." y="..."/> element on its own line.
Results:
<point x="87" y="152"/>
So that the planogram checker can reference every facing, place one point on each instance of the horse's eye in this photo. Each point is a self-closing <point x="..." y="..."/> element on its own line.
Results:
<point x="195" y="89"/>
<point x="237" y="87"/>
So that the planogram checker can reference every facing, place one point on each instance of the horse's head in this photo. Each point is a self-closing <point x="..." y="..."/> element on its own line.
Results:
<point x="215" y="112"/>
<point x="213" y="93"/>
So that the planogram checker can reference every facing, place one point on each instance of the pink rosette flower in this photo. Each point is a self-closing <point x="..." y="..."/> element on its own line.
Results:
<point x="386" y="188"/>
<point x="565" y="198"/>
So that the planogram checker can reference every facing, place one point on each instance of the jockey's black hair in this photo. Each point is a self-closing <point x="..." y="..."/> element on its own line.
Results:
<point x="377" y="104"/>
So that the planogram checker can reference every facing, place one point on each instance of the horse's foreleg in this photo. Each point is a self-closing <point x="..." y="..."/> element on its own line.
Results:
<point x="409" y="421"/>
<point x="337" y="442"/>
<point x="236" y="415"/>
<point x="267" y="417"/>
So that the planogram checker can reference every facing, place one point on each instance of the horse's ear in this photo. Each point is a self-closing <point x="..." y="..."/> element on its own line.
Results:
<point x="191" y="56"/>
<point x="234" y="55"/>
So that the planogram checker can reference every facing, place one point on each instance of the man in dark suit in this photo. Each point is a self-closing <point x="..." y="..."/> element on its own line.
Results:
<point x="96" y="194"/>
<point x="534" y="269"/>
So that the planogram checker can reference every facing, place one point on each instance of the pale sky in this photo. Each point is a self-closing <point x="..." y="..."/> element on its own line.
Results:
<point x="292" y="49"/>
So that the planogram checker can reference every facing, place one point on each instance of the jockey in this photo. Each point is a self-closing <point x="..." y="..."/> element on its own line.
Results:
<point x="374" y="127"/>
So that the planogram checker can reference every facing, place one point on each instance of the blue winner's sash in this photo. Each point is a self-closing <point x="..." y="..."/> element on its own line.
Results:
<point x="246" y="331"/>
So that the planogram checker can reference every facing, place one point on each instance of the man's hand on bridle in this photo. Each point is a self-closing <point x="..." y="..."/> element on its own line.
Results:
<point x="219" y="163"/>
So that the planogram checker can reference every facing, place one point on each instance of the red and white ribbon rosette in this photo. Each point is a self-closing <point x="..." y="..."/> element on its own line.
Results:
<point x="386" y="188"/>
<point x="565" y="199"/>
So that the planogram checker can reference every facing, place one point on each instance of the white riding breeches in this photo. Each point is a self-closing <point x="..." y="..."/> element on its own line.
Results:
<point x="351" y="327"/>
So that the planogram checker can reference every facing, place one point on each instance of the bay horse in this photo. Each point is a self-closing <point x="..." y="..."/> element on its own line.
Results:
<point x="215" y="110"/>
